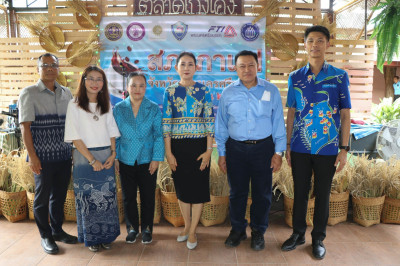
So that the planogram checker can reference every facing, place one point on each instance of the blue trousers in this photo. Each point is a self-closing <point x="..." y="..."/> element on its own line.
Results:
<point x="245" y="163"/>
<point x="50" y="191"/>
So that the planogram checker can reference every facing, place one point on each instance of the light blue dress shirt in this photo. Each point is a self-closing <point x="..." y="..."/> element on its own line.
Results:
<point x="250" y="114"/>
<point x="396" y="87"/>
<point x="141" y="136"/>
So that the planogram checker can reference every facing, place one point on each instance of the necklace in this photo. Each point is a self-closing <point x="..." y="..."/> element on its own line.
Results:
<point x="95" y="115"/>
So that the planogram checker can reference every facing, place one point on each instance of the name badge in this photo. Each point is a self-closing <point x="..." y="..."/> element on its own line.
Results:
<point x="266" y="96"/>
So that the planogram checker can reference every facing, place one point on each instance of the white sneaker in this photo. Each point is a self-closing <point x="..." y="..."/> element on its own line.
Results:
<point x="182" y="238"/>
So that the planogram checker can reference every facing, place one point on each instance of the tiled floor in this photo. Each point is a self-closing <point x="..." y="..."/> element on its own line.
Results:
<point x="346" y="243"/>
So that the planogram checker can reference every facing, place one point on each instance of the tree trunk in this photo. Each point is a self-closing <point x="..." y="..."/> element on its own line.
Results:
<point x="389" y="73"/>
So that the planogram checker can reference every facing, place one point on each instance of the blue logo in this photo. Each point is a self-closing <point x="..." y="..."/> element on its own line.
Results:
<point x="250" y="32"/>
<point x="179" y="30"/>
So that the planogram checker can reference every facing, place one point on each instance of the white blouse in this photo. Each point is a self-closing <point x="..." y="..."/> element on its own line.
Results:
<point x="80" y="124"/>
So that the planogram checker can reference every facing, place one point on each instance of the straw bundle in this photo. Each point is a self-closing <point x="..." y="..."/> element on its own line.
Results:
<point x="218" y="181"/>
<point x="268" y="9"/>
<point x="165" y="180"/>
<point x="340" y="182"/>
<point x="35" y="25"/>
<point x="283" y="180"/>
<point x="20" y="171"/>
<point x="51" y="37"/>
<point x="392" y="180"/>
<point x="285" y="46"/>
<point x="80" y="8"/>
<point x="368" y="180"/>
<point x="87" y="47"/>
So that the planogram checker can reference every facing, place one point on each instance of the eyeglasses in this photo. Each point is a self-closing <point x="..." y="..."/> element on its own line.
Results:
<point x="54" y="66"/>
<point x="94" y="80"/>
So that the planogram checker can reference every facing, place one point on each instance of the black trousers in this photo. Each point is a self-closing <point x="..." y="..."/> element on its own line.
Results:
<point x="303" y="165"/>
<point x="50" y="191"/>
<point x="131" y="178"/>
<point x="247" y="162"/>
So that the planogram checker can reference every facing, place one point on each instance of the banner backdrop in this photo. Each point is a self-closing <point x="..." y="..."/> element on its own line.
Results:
<point x="152" y="44"/>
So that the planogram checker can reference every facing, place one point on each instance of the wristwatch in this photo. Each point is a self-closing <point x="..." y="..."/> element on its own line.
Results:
<point x="346" y="148"/>
<point x="279" y="153"/>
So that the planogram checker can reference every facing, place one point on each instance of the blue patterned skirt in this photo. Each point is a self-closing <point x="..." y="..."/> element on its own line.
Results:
<point x="95" y="199"/>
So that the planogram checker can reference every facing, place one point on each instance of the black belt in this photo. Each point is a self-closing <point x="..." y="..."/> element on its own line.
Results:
<point x="252" y="142"/>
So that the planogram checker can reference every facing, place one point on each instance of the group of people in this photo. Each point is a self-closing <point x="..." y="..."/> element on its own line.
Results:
<point x="135" y="136"/>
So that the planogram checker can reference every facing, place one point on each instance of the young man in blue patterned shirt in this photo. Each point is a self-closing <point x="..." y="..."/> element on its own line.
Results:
<point x="319" y="112"/>
<point x="42" y="109"/>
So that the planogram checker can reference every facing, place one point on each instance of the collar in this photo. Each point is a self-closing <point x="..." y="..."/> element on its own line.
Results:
<point x="144" y="104"/>
<point x="325" y="67"/>
<point x="238" y="82"/>
<point x="43" y="87"/>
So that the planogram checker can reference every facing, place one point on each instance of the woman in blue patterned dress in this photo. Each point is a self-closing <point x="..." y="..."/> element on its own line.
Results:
<point x="91" y="127"/>
<point x="188" y="128"/>
<point x="139" y="150"/>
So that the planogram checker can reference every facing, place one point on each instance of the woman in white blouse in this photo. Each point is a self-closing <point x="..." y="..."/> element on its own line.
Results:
<point x="91" y="127"/>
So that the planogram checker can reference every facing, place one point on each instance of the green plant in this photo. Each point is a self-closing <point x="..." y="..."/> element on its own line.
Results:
<point x="385" y="111"/>
<point x="387" y="29"/>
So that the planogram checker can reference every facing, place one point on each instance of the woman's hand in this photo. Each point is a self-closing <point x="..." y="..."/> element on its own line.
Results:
<point x="97" y="166"/>
<point x="205" y="159"/>
<point x="153" y="166"/>
<point x="172" y="161"/>
<point x="110" y="161"/>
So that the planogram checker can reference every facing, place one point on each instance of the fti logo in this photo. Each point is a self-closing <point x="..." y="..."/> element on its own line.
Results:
<point x="228" y="31"/>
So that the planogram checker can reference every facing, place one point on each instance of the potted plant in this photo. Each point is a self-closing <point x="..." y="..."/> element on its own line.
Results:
<point x="386" y="31"/>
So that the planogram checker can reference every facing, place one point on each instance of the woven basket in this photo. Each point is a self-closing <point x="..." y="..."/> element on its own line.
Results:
<point x="157" y="206"/>
<point x="247" y="215"/>
<point x="215" y="211"/>
<point x="171" y="210"/>
<point x="338" y="207"/>
<point x="69" y="206"/>
<point x="288" y="206"/>
<point x="367" y="211"/>
<point x="30" y="198"/>
<point x="391" y="211"/>
<point x="13" y="205"/>
<point x="121" y="212"/>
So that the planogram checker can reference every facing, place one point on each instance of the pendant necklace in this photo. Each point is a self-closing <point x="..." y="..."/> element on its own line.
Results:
<point x="95" y="116"/>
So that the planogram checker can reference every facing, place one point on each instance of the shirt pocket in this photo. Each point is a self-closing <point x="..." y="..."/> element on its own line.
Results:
<point x="237" y="111"/>
<point x="265" y="108"/>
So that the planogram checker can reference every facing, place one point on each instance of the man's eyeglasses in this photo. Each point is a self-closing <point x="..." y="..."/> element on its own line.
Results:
<point x="54" y="66"/>
<point x="94" y="80"/>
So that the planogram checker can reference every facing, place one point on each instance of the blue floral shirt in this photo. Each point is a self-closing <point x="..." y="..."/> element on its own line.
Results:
<point x="318" y="101"/>
<point x="188" y="112"/>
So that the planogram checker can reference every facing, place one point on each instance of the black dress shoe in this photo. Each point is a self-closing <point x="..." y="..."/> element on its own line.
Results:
<point x="234" y="238"/>
<point x="257" y="240"/>
<point x="318" y="249"/>
<point x="293" y="241"/>
<point x="49" y="246"/>
<point x="65" y="238"/>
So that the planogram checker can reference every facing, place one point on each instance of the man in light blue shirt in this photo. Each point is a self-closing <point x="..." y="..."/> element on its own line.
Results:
<point x="250" y="134"/>
<point x="396" y="87"/>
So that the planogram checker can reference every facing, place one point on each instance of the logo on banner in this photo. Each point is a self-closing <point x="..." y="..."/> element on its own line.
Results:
<point x="250" y="32"/>
<point x="230" y="32"/>
<point x="179" y="30"/>
<point x="135" y="31"/>
<point x="113" y="31"/>
<point x="157" y="34"/>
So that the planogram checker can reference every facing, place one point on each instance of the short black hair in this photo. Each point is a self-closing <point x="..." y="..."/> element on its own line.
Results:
<point x="186" y="54"/>
<point x="137" y="74"/>
<point x="244" y="53"/>
<point x="46" y="55"/>
<point x="317" y="28"/>
<point x="397" y="77"/>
